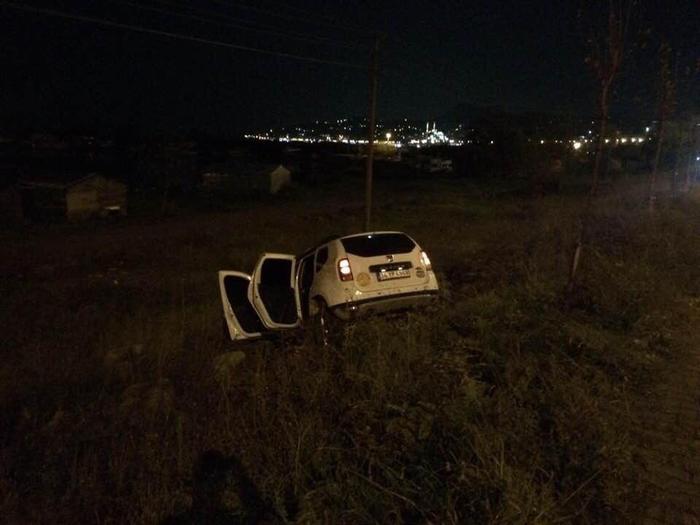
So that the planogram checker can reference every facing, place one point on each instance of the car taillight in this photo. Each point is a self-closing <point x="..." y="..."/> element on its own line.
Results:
<point x="426" y="261"/>
<point x="344" y="270"/>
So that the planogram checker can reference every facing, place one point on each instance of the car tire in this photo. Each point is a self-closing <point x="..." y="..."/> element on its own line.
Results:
<point x="322" y="324"/>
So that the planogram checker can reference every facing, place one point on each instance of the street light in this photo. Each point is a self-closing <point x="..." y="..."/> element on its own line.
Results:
<point x="388" y="136"/>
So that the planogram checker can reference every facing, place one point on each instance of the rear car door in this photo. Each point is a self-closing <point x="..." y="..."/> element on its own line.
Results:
<point x="273" y="291"/>
<point x="242" y="321"/>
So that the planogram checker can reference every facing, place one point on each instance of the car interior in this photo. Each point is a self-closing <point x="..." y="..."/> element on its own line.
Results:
<point x="276" y="292"/>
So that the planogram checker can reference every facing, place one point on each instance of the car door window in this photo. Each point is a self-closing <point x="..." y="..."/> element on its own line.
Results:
<point x="241" y="317"/>
<point x="236" y="290"/>
<point x="321" y="258"/>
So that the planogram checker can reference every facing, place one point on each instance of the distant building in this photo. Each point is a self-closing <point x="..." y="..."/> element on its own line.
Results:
<point x="72" y="196"/>
<point x="279" y="178"/>
<point x="247" y="177"/>
<point x="431" y="164"/>
<point x="438" y="165"/>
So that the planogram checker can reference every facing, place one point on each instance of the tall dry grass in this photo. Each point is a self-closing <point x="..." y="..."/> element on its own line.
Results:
<point x="504" y="403"/>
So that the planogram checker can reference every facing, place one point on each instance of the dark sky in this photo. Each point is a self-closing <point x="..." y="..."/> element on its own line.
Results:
<point x="521" y="55"/>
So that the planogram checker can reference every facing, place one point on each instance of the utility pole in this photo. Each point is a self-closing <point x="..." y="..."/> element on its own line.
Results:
<point x="374" y="67"/>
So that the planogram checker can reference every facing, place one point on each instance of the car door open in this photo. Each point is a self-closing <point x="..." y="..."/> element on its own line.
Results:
<point x="273" y="291"/>
<point x="242" y="321"/>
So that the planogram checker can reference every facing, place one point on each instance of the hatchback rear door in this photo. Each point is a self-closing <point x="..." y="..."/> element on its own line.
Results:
<point x="242" y="321"/>
<point x="273" y="291"/>
<point x="390" y="259"/>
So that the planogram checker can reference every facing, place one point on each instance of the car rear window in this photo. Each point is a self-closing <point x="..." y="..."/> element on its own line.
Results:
<point x="378" y="244"/>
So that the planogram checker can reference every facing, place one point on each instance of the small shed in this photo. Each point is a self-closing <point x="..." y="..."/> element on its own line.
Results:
<point x="71" y="196"/>
<point x="279" y="178"/>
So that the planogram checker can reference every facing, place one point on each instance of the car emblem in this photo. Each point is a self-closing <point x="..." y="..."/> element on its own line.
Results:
<point x="390" y="258"/>
<point x="363" y="279"/>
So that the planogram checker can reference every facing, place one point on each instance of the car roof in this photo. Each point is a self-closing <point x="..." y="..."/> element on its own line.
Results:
<point x="368" y="233"/>
<point x="332" y="238"/>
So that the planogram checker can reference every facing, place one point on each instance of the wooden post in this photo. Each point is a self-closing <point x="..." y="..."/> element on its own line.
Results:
<point x="370" y="139"/>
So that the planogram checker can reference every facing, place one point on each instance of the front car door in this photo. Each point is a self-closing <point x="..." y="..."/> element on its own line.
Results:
<point x="242" y="321"/>
<point x="273" y="291"/>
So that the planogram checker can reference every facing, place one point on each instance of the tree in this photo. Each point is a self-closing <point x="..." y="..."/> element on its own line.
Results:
<point x="606" y="52"/>
<point x="666" y="105"/>
<point x="693" y="141"/>
<point x="688" y="97"/>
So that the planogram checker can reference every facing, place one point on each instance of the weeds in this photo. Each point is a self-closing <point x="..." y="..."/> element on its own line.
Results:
<point x="502" y="405"/>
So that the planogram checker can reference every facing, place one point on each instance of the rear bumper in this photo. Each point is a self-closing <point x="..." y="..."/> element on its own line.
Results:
<point x="382" y="304"/>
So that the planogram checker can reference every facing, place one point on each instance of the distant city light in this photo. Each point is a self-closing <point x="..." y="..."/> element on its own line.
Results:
<point x="341" y="130"/>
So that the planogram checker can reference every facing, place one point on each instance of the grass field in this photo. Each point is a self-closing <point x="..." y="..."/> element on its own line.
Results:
<point x="120" y="400"/>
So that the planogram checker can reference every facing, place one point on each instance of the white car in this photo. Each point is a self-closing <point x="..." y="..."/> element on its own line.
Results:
<point x="342" y="277"/>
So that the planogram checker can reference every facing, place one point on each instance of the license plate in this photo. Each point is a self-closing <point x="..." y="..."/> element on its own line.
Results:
<point x="393" y="274"/>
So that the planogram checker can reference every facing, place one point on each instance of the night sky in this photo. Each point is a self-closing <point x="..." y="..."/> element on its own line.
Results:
<point x="67" y="74"/>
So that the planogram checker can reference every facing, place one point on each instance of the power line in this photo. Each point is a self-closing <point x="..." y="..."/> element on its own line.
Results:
<point x="239" y="24"/>
<point x="429" y="60"/>
<point x="303" y="12"/>
<point x="177" y="36"/>
<point x="305" y="19"/>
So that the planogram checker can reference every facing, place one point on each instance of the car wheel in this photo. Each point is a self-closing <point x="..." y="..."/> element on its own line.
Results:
<point x="322" y="323"/>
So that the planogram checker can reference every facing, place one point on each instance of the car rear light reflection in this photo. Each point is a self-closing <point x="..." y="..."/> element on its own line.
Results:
<point x="426" y="261"/>
<point x="344" y="270"/>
